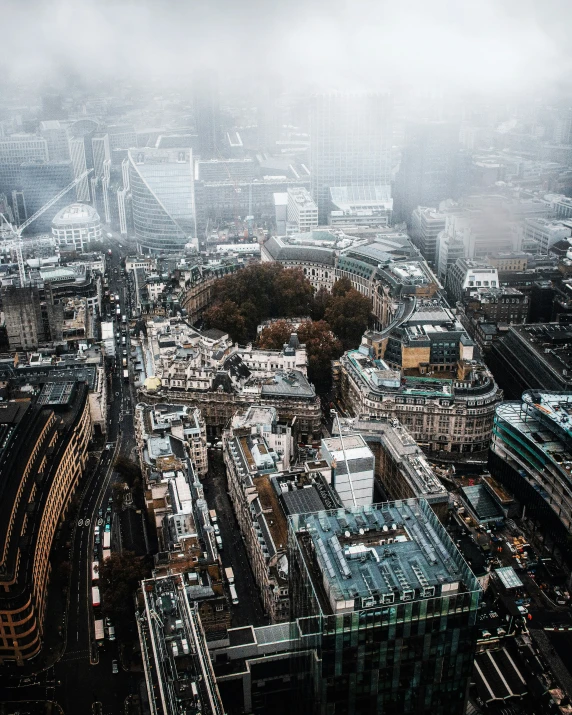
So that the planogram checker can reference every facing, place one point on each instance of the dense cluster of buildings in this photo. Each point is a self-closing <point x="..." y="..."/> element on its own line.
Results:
<point x="460" y="236"/>
<point x="206" y="369"/>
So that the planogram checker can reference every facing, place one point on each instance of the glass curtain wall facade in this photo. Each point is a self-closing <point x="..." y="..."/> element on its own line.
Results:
<point x="163" y="198"/>
<point x="350" y="136"/>
<point x="392" y="631"/>
<point x="531" y="455"/>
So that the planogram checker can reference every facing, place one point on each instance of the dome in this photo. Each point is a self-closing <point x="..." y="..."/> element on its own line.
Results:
<point x="77" y="214"/>
<point x="152" y="384"/>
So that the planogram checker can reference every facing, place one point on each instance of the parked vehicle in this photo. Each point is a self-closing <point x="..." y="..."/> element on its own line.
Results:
<point x="99" y="631"/>
<point x="114" y="667"/>
<point x="233" y="595"/>
<point x="229" y="573"/>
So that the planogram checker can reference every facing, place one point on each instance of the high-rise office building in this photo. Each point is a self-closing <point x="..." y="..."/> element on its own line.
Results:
<point x="101" y="152"/>
<point x="79" y="163"/>
<point x="122" y="136"/>
<point x="350" y="138"/>
<point x="428" y="167"/>
<point x="14" y="150"/>
<point x="52" y="106"/>
<point x="389" y="606"/>
<point x="57" y="135"/>
<point x="40" y="182"/>
<point x="162" y="190"/>
<point x="426" y="225"/>
<point x="207" y="116"/>
<point x="31" y="317"/>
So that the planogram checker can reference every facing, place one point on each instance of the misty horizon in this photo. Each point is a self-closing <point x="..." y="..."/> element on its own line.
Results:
<point x="506" y="48"/>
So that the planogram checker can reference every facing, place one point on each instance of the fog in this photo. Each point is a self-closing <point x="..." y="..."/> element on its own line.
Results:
<point x="433" y="46"/>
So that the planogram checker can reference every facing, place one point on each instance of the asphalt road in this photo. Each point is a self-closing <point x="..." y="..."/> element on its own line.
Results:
<point x="83" y="675"/>
<point x="249" y="609"/>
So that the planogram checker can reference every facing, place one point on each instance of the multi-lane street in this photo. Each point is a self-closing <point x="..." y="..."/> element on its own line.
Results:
<point x="81" y="681"/>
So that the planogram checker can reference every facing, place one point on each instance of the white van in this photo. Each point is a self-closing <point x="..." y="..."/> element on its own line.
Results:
<point x="219" y="543"/>
<point x="233" y="594"/>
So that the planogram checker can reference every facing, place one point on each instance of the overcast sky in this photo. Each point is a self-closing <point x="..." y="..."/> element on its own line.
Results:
<point x="464" y="45"/>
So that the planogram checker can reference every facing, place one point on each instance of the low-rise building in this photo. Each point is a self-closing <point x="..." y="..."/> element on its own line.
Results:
<point x="512" y="261"/>
<point x="197" y="286"/>
<point x="426" y="224"/>
<point x="176" y="663"/>
<point x="496" y="305"/>
<point x="302" y="211"/>
<point x="401" y="466"/>
<point x="360" y="206"/>
<point x="467" y="274"/>
<point x="182" y="422"/>
<point x="352" y="466"/>
<point x="424" y="374"/>
<point x="313" y="253"/>
<point x="251" y="460"/>
<point x="534" y="356"/>
<point x="205" y="369"/>
<point x="263" y="489"/>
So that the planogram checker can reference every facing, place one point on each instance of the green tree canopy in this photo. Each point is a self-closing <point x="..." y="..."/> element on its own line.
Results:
<point x="341" y="287"/>
<point x="348" y="315"/>
<point x="119" y="577"/>
<point x="245" y="299"/>
<point x="275" y="335"/>
<point x="226" y="316"/>
<point x="322" y="347"/>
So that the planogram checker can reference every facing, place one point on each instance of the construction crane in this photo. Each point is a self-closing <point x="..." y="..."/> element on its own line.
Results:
<point x="16" y="241"/>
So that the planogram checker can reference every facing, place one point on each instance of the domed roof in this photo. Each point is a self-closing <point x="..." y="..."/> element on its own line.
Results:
<point x="152" y="384"/>
<point x="75" y="214"/>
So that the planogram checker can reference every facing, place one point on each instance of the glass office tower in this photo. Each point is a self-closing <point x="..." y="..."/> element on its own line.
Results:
<point x="350" y="143"/>
<point x="387" y="605"/>
<point x="531" y="455"/>
<point x="162" y="190"/>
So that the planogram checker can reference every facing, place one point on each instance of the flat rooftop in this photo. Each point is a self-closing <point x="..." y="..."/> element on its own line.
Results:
<point x="379" y="554"/>
<point x="541" y="428"/>
<point x="404" y="450"/>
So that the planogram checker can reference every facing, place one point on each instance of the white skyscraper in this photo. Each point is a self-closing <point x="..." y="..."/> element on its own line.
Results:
<point x="77" y="154"/>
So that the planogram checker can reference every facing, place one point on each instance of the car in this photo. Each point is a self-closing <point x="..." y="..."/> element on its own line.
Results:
<point x="216" y="529"/>
<point x="114" y="667"/>
<point x="522" y="610"/>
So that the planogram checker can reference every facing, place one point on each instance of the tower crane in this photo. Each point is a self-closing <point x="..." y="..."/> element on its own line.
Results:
<point x="16" y="233"/>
